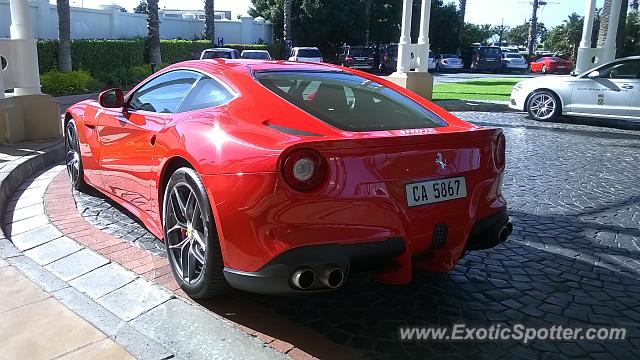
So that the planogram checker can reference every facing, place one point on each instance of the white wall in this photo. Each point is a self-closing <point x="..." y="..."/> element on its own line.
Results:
<point x="113" y="24"/>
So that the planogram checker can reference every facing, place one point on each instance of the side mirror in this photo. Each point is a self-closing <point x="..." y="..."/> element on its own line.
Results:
<point x="573" y="73"/>
<point x="594" y="75"/>
<point x="112" y="98"/>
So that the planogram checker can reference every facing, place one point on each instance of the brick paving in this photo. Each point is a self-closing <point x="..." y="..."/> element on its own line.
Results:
<point x="573" y="259"/>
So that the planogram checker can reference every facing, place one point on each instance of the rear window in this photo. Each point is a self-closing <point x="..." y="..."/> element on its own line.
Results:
<point x="309" y="53"/>
<point x="489" y="52"/>
<point x="349" y="102"/>
<point x="255" y="55"/>
<point x="513" y="56"/>
<point x="359" y="52"/>
<point x="217" y="55"/>
<point x="449" y="56"/>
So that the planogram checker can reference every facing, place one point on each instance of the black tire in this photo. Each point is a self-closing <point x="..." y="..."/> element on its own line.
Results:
<point x="544" y="69"/>
<point x="548" y="100"/>
<point x="73" y="160"/>
<point x="207" y="279"/>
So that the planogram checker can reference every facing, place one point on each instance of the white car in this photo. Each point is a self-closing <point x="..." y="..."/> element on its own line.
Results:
<point x="220" y="53"/>
<point x="610" y="90"/>
<point x="514" y="62"/>
<point x="255" y="54"/>
<point x="310" y="54"/>
<point x="448" y="62"/>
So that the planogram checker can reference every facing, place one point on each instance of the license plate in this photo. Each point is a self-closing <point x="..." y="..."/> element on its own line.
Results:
<point x="428" y="192"/>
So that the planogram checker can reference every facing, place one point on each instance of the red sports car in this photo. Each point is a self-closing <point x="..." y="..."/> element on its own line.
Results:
<point x="283" y="177"/>
<point x="551" y="65"/>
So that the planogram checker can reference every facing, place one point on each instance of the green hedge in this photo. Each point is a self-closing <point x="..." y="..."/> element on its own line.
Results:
<point x="76" y="82"/>
<point x="107" y="56"/>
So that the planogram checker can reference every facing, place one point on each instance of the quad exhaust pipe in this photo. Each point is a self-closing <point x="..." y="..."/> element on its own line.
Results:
<point x="305" y="278"/>
<point x="505" y="232"/>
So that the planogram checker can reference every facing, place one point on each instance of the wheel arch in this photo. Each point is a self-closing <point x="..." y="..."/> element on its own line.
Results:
<point x="170" y="166"/>
<point x="553" y="92"/>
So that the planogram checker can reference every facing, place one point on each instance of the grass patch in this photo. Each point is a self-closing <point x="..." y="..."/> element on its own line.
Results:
<point x="481" y="89"/>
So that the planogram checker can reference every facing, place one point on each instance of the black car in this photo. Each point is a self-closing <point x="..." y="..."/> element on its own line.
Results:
<point x="356" y="57"/>
<point x="482" y="58"/>
<point x="388" y="58"/>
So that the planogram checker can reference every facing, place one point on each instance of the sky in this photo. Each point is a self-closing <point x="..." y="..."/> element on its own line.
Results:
<point x="514" y="12"/>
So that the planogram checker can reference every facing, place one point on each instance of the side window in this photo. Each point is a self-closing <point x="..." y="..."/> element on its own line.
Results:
<point x="164" y="93"/>
<point x="623" y="70"/>
<point x="205" y="94"/>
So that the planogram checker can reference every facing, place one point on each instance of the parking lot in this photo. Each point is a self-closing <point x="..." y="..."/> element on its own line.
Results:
<point x="573" y="260"/>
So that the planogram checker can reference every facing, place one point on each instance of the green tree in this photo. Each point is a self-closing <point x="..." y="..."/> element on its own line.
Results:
<point x="518" y="35"/>
<point x="565" y="38"/>
<point x="463" y="10"/>
<point x="141" y="8"/>
<point x="632" y="41"/>
<point x="476" y="34"/>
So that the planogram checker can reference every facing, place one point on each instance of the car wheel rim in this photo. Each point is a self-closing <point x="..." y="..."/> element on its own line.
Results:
<point x="542" y="106"/>
<point x="186" y="233"/>
<point x="72" y="157"/>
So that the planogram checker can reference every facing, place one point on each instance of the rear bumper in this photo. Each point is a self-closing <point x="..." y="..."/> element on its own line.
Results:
<point x="275" y="278"/>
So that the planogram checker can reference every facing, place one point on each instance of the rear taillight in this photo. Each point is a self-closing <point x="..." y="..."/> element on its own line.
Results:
<point x="304" y="170"/>
<point x="499" y="152"/>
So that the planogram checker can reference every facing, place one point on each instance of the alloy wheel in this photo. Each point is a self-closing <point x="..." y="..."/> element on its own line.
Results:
<point x="187" y="233"/>
<point x="73" y="153"/>
<point x="542" y="106"/>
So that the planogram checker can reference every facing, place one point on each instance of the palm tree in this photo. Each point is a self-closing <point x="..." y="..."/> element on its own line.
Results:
<point x="64" y="36"/>
<point x="287" y="26"/>
<point x="604" y="24"/>
<point x="209" y="22"/>
<point x="635" y="4"/>
<point x="153" y="38"/>
<point x="367" y="20"/>
<point x="463" y="9"/>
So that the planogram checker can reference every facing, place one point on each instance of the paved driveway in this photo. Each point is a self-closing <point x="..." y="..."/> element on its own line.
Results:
<point x="573" y="259"/>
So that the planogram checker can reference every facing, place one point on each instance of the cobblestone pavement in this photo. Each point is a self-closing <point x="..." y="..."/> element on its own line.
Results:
<point x="573" y="259"/>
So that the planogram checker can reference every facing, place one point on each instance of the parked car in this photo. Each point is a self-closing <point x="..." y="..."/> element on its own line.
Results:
<point x="482" y="58"/>
<point x="610" y="90"/>
<point x="448" y="62"/>
<point x="551" y="64"/>
<point x="255" y="54"/>
<point x="514" y="62"/>
<point x="356" y="57"/>
<point x="388" y="58"/>
<point x="309" y="54"/>
<point x="220" y="53"/>
<point x="286" y="178"/>
<point x="432" y="61"/>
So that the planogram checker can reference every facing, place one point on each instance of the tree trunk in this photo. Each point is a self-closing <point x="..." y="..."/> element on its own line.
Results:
<point x="209" y="22"/>
<point x="367" y="21"/>
<point x="622" y="29"/>
<point x="463" y="9"/>
<point x="604" y="23"/>
<point x="153" y="40"/>
<point x="533" y="28"/>
<point x="64" y="36"/>
<point x="286" y="33"/>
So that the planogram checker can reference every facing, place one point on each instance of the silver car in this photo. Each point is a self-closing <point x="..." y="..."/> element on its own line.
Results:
<point x="448" y="62"/>
<point x="610" y="90"/>
<point x="514" y="62"/>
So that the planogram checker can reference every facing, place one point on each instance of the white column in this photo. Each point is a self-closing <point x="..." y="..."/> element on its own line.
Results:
<point x="423" y="39"/>
<point x="20" y="22"/>
<point x="24" y="48"/>
<point x="405" y="37"/>
<point x="589" y="10"/>
<point x="612" y="30"/>
<point x="1" y="84"/>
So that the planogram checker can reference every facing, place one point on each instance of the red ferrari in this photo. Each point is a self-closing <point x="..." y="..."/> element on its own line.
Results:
<point x="280" y="177"/>
<point x="551" y="65"/>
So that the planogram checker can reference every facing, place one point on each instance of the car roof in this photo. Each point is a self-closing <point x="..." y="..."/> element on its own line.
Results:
<point x="220" y="49"/>
<point x="248" y="66"/>
<point x="305" y="48"/>
<point x="254" y="50"/>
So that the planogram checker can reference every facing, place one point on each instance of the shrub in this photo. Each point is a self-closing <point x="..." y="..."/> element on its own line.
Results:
<point x="76" y="82"/>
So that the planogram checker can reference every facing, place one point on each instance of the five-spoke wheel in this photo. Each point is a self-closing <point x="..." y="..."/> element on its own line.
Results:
<point x="190" y="236"/>
<point x="72" y="157"/>
<point x="543" y="105"/>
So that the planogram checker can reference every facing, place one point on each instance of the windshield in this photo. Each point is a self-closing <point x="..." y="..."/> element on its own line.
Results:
<point x="359" y="52"/>
<point x="309" y="53"/>
<point x="217" y="54"/>
<point x="489" y="52"/>
<point x="255" y="55"/>
<point x="349" y="102"/>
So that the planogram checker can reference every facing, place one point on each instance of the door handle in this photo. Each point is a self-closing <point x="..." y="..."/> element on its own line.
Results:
<point x="627" y="87"/>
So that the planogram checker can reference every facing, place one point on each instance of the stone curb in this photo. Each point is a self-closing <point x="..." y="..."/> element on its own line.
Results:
<point x="13" y="174"/>
<point x="474" y="105"/>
